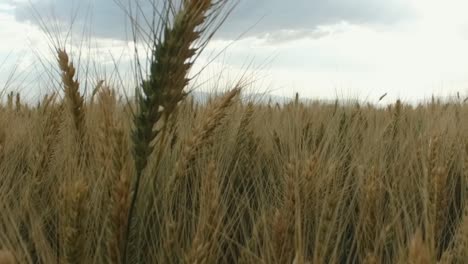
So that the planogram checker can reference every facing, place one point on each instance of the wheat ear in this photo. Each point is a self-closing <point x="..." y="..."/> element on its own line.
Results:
<point x="173" y="54"/>
<point x="203" y="248"/>
<point x="418" y="250"/>
<point x="6" y="257"/>
<point x="74" y="212"/>
<point x="203" y="133"/>
<point x="72" y="93"/>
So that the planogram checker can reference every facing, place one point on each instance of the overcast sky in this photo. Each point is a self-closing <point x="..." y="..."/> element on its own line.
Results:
<point x="409" y="49"/>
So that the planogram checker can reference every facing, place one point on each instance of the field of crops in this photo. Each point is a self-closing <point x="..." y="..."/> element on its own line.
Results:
<point x="163" y="178"/>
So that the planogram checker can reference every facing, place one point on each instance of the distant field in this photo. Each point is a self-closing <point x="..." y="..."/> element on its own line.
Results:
<point x="161" y="178"/>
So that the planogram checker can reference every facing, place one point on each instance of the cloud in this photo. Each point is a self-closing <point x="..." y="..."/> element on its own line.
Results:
<point x="277" y="15"/>
<point x="104" y="17"/>
<point x="283" y="19"/>
<point x="276" y="37"/>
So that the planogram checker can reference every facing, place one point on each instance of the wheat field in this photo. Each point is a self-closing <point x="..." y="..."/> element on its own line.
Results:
<point x="162" y="178"/>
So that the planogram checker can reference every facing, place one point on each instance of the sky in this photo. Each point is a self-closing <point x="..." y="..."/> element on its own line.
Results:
<point x="409" y="49"/>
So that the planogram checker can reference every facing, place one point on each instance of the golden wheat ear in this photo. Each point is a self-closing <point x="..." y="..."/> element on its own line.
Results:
<point x="202" y="134"/>
<point x="72" y="93"/>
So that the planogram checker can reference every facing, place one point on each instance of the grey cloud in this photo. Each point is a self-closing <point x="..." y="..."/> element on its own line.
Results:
<point x="105" y="17"/>
<point x="277" y="15"/>
<point x="252" y="17"/>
